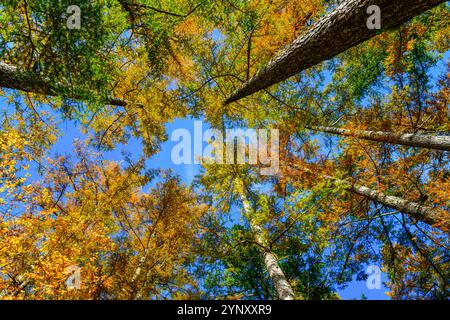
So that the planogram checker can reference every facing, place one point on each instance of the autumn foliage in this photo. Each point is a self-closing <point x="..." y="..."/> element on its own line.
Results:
<point x="339" y="203"/>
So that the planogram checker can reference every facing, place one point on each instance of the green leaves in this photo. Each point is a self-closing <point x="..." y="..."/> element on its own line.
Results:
<point x="181" y="58"/>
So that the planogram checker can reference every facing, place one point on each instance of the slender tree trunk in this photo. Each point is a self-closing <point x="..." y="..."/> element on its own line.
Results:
<point x="429" y="215"/>
<point x="12" y="78"/>
<point x="415" y="210"/>
<point x="343" y="28"/>
<point x="135" y="291"/>
<point x="406" y="139"/>
<point x="282" y="286"/>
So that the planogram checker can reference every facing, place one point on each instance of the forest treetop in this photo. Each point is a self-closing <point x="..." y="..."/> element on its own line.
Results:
<point x="363" y="117"/>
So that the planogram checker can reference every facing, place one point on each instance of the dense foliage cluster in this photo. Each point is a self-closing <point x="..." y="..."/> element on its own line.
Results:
<point x="340" y="202"/>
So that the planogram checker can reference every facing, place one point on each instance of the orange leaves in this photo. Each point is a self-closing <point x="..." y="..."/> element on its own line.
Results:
<point x="132" y="237"/>
<point x="443" y="39"/>
<point x="94" y="215"/>
<point x="438" y="192"/>
<point x="409" y="270"/>
<point x="188" y="28"/>
<point x="180" y="66"/>
<point x="280" y="24"/>
<point x="13" y="165"/>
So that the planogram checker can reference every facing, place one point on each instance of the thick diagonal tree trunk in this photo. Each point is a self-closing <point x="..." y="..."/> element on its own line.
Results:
<point x="406" y="139"/>
<point x="282" y="286"/>
<point x="343" y="28"/>
<point x="13" y="78"/>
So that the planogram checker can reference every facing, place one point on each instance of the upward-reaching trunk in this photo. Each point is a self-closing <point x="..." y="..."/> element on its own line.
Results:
<point x="21" y="284"/>
<point x="13" y="78"/>
<point x="406" y="139"/>
<point x="415" y="210"/>
<point x="135" y="292"/>
<point x="429" y="215"/>
<point x="282" y="286"/>
<point x="343" y="28"/>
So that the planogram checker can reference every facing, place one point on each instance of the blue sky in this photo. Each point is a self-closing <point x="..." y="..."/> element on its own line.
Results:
<point x="162" y="160"/>
<point x="69" y="131"/>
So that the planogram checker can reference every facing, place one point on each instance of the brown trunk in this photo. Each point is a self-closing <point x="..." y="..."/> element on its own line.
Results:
<point x="343" y="28"/>
<point x="12" y="78"/>
<point x="406" y="139"/>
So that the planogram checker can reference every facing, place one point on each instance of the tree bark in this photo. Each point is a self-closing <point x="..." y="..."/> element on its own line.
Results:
<point x="13" y="78"/>
<point x="406" y="139"/>
<point x="282" y="286"/>
<point x="415" y="210"/>
<point x="135" y="292"/>
<point x="429" y="215"/>
<point x="343" y="28"/>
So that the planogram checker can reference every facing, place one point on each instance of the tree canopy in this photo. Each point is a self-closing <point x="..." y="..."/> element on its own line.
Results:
<point x="364" y="148"/>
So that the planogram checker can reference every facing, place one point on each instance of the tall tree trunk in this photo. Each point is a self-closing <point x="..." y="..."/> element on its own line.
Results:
<point x="429" y="215"/>
<point x="12" y="78"/>
<point x="415" y="210"/>
<point x="282" y="286"/>
<point x="21" y="285"/>
<point x="406" y="139"/>
<point x="136" y="294"/>
<point x="343" y="28"/>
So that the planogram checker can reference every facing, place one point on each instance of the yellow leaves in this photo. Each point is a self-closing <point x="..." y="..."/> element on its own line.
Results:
<point x="96" y="222"/>
<point x="46" y="197"/>
<point x="438" y="191"/>
<point x="280" y="24"/>
<point x="12" y="139"/>
<point x="13" y="171"/>
<point x="181" y="67"/>
<point x="443" y="39"/>
<point x="188" y="28"/>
